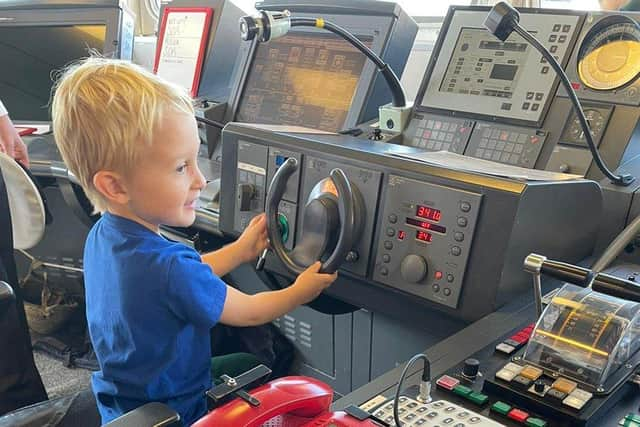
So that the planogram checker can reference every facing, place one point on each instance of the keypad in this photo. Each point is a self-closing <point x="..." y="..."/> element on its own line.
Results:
<point x="438" y="413"/>
<point x="514" y="146"/>
<point x="434" y="133"/>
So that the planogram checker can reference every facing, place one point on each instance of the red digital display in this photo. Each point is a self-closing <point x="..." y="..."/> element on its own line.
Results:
<point x="401" y="234"/>
<point x="428" y="213"/>
<point x="426" y="225"/>
<point x="424" y="236"/>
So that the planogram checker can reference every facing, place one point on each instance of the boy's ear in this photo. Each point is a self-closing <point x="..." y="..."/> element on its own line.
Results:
<point x="111" y="185"/>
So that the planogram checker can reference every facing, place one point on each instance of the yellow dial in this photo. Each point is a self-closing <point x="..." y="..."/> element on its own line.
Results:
<point x="609" y="57"/>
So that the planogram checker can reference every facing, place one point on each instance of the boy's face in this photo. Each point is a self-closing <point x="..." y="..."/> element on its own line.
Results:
<point x="164" y="187"/>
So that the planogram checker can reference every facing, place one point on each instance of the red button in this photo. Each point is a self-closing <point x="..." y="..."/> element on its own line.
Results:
<point x="521" y="338"/>
<point x="438" y="275"/>
<point x="447" y="382"/>
<point x="575" y="86"/>
<point x="518" y="415"/>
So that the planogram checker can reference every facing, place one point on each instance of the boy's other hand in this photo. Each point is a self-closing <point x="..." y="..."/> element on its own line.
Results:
<point x="253" y="239"/>
<point x="312" y="283"/>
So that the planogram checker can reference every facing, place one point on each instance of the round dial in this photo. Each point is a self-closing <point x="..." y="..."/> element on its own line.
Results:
<point x="413" y="268"/>
<point x="595" y="120"/>
<point x="609" y="57"/>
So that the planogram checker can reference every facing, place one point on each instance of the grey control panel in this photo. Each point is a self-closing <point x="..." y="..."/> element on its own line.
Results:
<point x="425" y="238"/>
<point x="477" y="73"/>
<point x="435" y="133"/>
<point x="251" y="183"/>
<point x="513" y="145"/>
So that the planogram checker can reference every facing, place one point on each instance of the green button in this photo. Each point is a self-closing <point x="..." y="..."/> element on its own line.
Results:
<point x="283" y="224"/>
<point x="535" y="422"/>
<point x="501" y="408"/>
<point x="461" y="390"/>
<point x="632" y="417"/>
<point x="478" y="398"/>
<point x="629" y="423"/>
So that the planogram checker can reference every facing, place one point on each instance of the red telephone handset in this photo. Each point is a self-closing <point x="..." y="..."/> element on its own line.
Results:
<point x="288" y="401"/>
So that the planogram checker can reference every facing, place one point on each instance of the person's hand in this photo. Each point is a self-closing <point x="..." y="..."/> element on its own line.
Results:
<point x="11" y="143"/>
<point x="253" y="239"/>
<point x="311" y="283"/>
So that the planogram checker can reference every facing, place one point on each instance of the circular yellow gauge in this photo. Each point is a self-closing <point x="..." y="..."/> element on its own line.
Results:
<point x="609" y="57"/>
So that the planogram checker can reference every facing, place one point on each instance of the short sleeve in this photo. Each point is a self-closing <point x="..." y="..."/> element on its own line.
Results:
<point x="3" y="110"/>
<point x="195" y="293"/>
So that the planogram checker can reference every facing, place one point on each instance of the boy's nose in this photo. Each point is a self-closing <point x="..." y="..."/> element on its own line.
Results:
<point x="199" y="180"/>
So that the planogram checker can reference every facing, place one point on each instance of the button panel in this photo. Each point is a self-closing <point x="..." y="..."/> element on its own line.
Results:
<point x="437" y="133"/>
<point x="422" y="248"/>
<point x="438" y="413"/>
<point x="511" y="145"/>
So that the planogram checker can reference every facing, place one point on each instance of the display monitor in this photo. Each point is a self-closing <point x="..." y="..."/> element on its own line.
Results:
<point x="311" y="77"/>
<point x="37" y="40"/>
<point x="302" y="79"/>
<point x="26" y="78"/>
<point x="476" y="74"/>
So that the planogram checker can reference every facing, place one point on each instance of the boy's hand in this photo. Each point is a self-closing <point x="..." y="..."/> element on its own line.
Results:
<point x="253" y="239"/>
<point x="311" y="283"/>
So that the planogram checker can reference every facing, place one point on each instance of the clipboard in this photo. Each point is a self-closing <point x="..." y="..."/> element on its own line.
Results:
<point x="182" y="41"/>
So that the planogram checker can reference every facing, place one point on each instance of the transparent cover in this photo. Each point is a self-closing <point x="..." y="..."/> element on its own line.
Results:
<point x="585" y="335"/>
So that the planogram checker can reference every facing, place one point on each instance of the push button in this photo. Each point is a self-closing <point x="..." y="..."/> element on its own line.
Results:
<point x="447" y="382"/>
<point x="521" y="381"/>
<point x="564" y="385"/>
<point x="535" y="422"/>
<point x="501" y="408"/>
<point x="518" y="415"/>
<point x="531" y="372"/>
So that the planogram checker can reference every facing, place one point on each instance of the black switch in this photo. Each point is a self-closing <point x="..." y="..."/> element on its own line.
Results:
<point x="470" y="368"/>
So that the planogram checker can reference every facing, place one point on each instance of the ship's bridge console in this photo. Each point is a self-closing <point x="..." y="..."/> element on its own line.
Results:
<point x="412" y="236"/>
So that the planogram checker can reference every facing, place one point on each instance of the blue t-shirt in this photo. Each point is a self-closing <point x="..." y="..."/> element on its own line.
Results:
<point x="150" y="305"/>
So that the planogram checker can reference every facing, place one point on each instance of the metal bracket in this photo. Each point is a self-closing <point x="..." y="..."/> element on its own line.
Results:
<point x="234" y="386"/>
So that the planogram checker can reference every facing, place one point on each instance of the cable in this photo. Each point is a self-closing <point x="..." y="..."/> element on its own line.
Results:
<point x="425" y="385"/>
<point x="209" y="122"/>
<point x="617" y="245"/>
<point x="622" y="180"/>
<point x="397" y="93"/>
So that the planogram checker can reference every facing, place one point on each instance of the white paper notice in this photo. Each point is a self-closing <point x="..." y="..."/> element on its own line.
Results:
<point x="182" y="42"/>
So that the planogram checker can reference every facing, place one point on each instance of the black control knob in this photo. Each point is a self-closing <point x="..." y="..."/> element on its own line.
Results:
<point x="470" y="368"/>
<point x="413" y="268"/>
<point x="538" y="386"/>
<point x="246" y="193"/>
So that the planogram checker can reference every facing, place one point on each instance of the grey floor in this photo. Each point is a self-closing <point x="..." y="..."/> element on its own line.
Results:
<point x="59" y="380"/>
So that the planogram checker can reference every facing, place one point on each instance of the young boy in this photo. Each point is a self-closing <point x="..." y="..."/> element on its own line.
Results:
<point x="131" y="140"/>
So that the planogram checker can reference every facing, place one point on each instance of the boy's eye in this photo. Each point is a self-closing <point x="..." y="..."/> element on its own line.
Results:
<point x="181" y="168"/>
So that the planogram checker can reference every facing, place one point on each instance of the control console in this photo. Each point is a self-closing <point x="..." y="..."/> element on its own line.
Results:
<point x="422" y="236"/>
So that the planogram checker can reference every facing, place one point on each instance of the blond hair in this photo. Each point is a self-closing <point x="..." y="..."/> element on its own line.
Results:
<point x="104" y="111"/>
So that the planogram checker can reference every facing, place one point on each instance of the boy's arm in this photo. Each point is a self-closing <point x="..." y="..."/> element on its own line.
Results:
<point x="225" y="259"/>
<point x="248" y="247"/>
<point x="241" y="309"/>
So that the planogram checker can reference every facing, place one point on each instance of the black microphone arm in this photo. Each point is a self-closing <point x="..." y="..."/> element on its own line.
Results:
<point x="502" y="20"/>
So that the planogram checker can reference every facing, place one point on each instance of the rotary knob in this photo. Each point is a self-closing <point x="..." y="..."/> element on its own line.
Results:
<point x="471" y="368"/>
<point x="413" y="268"/>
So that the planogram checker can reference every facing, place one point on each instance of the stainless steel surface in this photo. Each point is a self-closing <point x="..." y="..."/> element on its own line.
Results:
<point x="533" y="265"/>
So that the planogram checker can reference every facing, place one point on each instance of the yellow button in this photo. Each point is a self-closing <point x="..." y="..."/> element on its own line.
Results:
<point x="531" y="372"/>
<point x="564" y="385"/>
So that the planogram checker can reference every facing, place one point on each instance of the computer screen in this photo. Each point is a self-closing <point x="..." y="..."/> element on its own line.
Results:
<point x="29" y="56"/>
<point x="302" y="79"/>
<point x="476" y="74"/>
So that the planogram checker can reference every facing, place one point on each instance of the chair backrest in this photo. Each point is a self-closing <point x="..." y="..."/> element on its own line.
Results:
<point x="25" y="204"/>
<point x="7" y="298"/>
